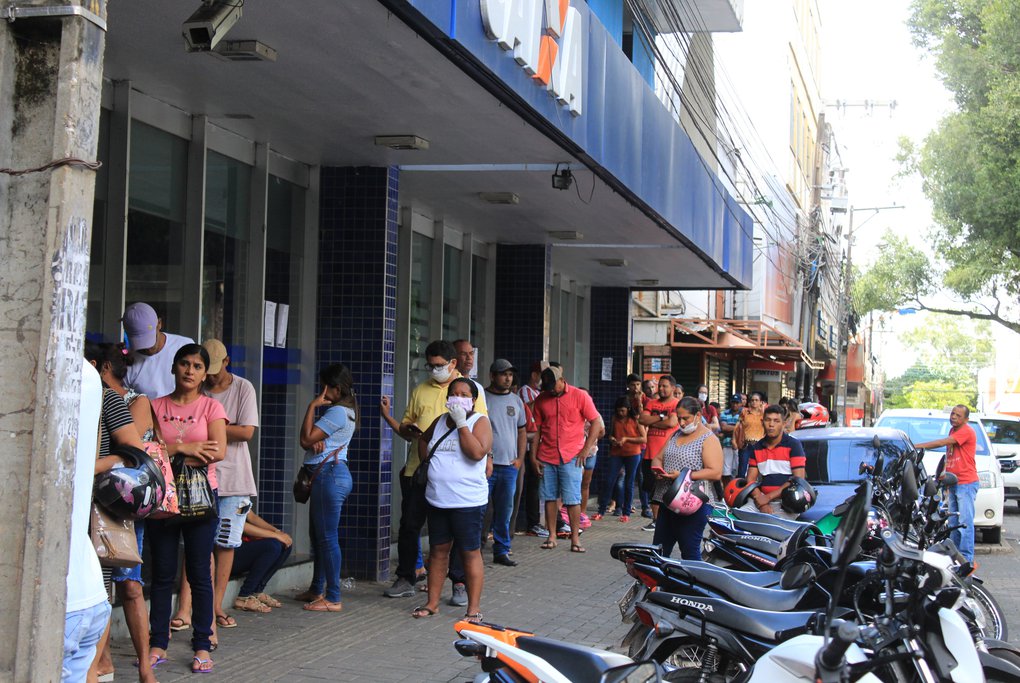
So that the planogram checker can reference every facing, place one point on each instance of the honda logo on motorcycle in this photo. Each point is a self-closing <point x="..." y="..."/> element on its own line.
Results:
<point x="704" y="607"/>
<point x="547" y="40"/>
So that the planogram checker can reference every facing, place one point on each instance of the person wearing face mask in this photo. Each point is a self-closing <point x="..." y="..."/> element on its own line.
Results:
<point x="455" y="448"/>
<point x="708" y="413"/>
<point x="692" y="446"/>
<point x="427" y="402"/>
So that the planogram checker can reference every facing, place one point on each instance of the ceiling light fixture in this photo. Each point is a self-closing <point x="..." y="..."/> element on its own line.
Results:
<point x="613" y="262"/>
<point x="562" y="180"/>
<point x="646" y="283"/>
<point x="566" y="235"/>
<point x="245" y="51"/>
<point x="499" y="197"/>
<point x="402" y="142"/>
<point x="207" y="26"/>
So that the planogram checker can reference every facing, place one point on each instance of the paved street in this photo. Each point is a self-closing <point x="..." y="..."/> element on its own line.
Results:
<point x="553" y="592"/>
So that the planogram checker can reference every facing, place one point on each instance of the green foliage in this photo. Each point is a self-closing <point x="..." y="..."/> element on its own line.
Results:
<point x="938" y="395"/>
<point x="902" y="274"/>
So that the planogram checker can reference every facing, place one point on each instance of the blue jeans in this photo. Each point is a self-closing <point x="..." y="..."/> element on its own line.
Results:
<point x="329" y="491"/>
<point x="682" y="530"/>
<point x="162" y="536"/>
<point x="502" y="487"/>
<point x="260" y="559"/>
<point x="961" y="511"/>
<point x="629" y="463"/>
<point x="82" y="630"/>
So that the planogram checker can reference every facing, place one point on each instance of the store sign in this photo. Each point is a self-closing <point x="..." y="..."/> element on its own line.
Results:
<point x="767" y="376"/>
<point x="547" y="40"/>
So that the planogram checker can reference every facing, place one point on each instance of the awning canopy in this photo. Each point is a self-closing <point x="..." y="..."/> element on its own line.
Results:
<point x="738" y="338"/>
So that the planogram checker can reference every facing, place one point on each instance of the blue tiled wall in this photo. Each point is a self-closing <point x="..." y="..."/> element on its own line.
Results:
<point x="523" y="276"/>
<point x="610" y="338"/>
<point x="356" y="325"/>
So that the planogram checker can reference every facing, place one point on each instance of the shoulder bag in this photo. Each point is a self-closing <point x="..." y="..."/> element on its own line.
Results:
<point x="420" y="478"/>
<point x="158" y="452"/>
<point x="307" y="474"/>
<point x="113" y="539"/>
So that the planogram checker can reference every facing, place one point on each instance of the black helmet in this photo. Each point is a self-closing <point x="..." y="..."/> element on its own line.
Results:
<point x="799" y="496"/>
<point x="133" y="491"/>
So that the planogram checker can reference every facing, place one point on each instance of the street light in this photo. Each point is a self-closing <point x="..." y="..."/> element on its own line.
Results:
<point x="839" y="391"/>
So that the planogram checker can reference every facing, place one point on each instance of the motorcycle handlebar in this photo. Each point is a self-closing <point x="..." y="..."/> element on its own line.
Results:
<point x="830" y="657"/>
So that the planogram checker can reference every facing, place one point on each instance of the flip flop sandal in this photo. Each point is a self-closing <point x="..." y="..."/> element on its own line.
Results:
<point x="575" y="548"/>
<point x="267" y="599"/>
<point x="250" y="603"/>
<point x="106" y="678"/>
<point x="423" y="612"/>
<point x="178" y="624"/>
<point x="548" y="545"/>
<point x="226" y="622"/>
<point x="201" y="663"/>
<point x="154" y="661"/>
<point x="475" y="618"/>
<point x="321" y="605"/>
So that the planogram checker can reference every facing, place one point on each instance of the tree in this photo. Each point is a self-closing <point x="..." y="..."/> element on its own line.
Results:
<point x="969" y="165"/>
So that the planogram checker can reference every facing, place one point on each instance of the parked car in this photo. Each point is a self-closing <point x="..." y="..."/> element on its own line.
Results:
<point x="1004" y="433"/>
<point x="922" y="425"/>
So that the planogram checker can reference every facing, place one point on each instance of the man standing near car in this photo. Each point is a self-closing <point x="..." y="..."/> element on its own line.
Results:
<point x="961" y="447"/>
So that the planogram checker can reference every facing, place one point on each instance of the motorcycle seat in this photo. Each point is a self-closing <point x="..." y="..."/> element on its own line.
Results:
<point x="773" y="531"/>
<point x="754" y="596"/>
<point x="758" y="623"/>
<point x="617" y="549"/>
<point x="762" y="579"/>
<point x="763" y="518"/>
<point x="575" y="662"/>
<point x="762" y="544"/>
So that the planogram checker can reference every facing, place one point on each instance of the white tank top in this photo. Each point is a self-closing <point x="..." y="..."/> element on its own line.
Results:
<point x="455" y="480"/>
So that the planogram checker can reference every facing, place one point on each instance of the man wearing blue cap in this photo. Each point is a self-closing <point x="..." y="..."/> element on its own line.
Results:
<point x="152" y="351"/>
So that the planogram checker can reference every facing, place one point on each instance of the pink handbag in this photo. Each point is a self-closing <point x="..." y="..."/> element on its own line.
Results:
<point x="169" y="506"/>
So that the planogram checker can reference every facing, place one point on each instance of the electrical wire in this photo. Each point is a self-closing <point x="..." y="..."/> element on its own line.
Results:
<point x="56" y="163"/>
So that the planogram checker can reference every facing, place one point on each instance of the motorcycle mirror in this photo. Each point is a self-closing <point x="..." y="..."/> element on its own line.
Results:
<point x="639" y="672"/>
<point x="864" y="468"/>
<point x="908" y="485"/>
<point x="929" y="488"/>
<point x="852" y="525"/>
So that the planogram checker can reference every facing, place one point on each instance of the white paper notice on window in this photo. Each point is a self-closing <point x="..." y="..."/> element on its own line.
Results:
<point x="607" y="369"/>
<point x="269" y="325"/>
<point x="282" y="316"/>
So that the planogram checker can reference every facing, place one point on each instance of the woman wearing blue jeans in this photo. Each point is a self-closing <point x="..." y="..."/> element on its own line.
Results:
<point x="326" y="440"/>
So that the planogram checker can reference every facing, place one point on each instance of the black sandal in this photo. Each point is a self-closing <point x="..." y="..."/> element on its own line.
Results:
<point x="475" y="618"/>
<point x="423" y="612"/>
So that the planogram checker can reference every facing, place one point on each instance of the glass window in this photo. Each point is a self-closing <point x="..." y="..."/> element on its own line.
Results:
<point x="479" y="277"/>
<point x="421" y="306"/>
<point x="923" y="429"/>
<point x="1002" y="432"/>
<point x="225" y="254"/>
<point x="451" y="292"/>
<point x="157" y="194"/>
<point x="839" y="460"/>
<point x="97" y="257"/>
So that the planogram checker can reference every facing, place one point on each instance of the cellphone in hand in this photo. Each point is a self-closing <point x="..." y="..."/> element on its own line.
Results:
<point x="658" y="470"/>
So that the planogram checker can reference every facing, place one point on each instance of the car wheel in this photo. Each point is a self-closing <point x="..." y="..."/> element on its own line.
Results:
<point x="993" y="535"/>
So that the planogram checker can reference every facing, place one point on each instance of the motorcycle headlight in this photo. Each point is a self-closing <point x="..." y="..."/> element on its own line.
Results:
<point x="987" y="479"/>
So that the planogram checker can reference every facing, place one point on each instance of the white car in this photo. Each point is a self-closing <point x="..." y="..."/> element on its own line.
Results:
<point x="928" y="425"/>
<point x="1004" y="433"/>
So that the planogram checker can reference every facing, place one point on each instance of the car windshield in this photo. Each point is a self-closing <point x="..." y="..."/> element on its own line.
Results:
<point x="1002" y="432"/>
<point x="839" y="460"/>
<point x="931" y="428"/>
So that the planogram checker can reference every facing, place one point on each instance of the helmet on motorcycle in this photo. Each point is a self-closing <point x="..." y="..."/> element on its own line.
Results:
<point x="799" y="496"/>
<point x="684" y="495"/>
<point x="738" y="491"/>
<point x="813" y="415"/>
<point x="133" y="491"/>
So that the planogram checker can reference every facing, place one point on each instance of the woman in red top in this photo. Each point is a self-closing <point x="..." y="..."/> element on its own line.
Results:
<point x="626" y="437"/>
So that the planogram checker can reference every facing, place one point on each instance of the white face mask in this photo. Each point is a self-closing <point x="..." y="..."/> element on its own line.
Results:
<point x="441" y="374"/>
<point x="689" y="429"/>
<point x="463" y="401"/>
<point x="702" y="397"/>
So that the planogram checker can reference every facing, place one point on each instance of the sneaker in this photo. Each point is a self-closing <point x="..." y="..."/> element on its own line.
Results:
<point x="504" y="560"/>
<point x="538" y="530"/>
<point x="584" y="522"/>
<point x="646" y="513"/>
<point x="648" y="527"/>
<point x="401" y="588"/>
<point x="624" y="519"/>
<point x="597" y="517"/>
<point x="459" y="597"/>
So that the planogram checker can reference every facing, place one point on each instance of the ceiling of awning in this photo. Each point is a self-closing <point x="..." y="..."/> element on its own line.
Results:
<point x="737" y="338"/>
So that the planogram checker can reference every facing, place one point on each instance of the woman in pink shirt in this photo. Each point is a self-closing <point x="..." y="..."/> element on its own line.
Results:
<point x="194" y="427"/>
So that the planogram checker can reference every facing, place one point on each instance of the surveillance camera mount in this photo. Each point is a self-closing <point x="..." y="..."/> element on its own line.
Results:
<point x="562" y="180"/>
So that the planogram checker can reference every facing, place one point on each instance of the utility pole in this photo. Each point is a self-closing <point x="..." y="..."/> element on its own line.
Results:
<point x="51" y="68"/>
<point x="843" y="314"/>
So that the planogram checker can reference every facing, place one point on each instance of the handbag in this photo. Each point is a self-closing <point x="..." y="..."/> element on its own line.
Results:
<point x="195" y="498"/>
<point x="170" y="506"/>
<point x="306" y="476"/>
<point x="420" y="478"/>
<point x="114" y="539"/>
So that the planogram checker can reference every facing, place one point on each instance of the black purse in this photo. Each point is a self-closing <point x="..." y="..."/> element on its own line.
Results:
<point x="420" y="478"/>
<point x="306" y="477"/>
<point x="195" y="496"/>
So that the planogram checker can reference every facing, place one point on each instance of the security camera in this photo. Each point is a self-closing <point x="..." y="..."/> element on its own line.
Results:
<point x="210" y="23"/>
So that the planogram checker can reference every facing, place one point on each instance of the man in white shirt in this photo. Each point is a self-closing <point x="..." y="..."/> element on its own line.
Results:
<point x="152" y="351"/>
<point x="87" y="610"/>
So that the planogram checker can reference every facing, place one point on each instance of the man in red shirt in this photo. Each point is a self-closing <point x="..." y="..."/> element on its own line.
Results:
<point x="659" y="415"/>
<point x="961" y="447"/>
<point x="561" y="412"/>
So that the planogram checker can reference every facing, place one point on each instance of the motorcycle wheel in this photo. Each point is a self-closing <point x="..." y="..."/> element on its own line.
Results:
<point x="992" y="615"/>
<point x="1005" y="655"/>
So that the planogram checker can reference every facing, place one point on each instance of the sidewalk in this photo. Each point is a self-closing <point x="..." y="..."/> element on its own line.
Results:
<point x="554" y="593"/>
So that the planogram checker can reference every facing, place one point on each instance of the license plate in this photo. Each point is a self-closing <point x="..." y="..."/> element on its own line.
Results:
<point x="628" y="599"/>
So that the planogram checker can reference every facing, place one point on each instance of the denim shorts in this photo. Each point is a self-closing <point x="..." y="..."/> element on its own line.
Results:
<point x="132" y="573"/>
<point x="562" y="482"/>
<point x="233" y="511"/>
<point x="461" y="525"/>
<point x="589" y="462"/>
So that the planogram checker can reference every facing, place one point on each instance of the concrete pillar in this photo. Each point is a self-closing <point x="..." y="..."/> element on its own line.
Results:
<point x="50" y="86"/>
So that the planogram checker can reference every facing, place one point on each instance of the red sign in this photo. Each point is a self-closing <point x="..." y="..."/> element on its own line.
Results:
<point x="782" y="366"/>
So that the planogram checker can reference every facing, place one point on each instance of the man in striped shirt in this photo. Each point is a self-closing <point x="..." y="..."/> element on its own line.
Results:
<point x="774" y="459"/>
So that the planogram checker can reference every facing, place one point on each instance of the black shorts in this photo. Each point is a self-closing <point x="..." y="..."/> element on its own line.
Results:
<point x="462" y="525"/>
<point x="648" y="480"/>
